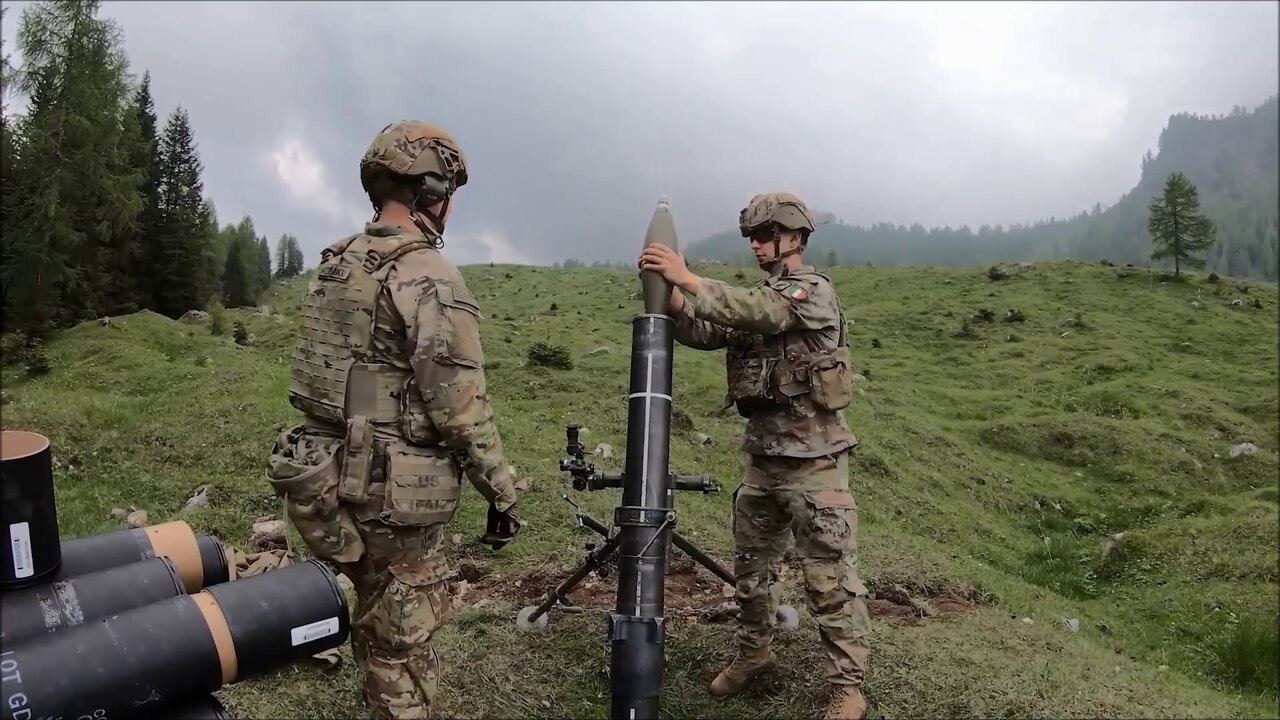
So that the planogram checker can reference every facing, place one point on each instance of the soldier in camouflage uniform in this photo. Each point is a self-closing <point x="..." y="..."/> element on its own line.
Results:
<point x="788" y="374"/>
<point x="389" y="375"/>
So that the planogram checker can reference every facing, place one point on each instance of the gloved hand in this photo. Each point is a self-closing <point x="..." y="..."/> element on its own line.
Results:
<point x="501" y="527"/>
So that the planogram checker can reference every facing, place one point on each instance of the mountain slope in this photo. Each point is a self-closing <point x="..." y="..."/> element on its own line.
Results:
<point x="1232" y="160"/>
<point x="999" y="463"/>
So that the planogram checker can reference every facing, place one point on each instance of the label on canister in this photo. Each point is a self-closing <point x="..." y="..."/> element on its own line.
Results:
<point x="20" y="544"/>
<point x="314" y="631"/>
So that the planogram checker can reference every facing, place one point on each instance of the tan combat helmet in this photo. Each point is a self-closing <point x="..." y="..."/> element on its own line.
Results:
<point x="422" y="151"/>
<point x="778" y="210"/>
<point x="782" y="208"/>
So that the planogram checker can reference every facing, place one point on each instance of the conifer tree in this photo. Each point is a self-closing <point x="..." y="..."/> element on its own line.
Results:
<point x="235" y="285"/>
<point x="75" y="197"/>
<point x="185" y="238"/>
<point x="146" y="158"/>
<point x="1177" y="227"/>
<point x="263" y="254"/>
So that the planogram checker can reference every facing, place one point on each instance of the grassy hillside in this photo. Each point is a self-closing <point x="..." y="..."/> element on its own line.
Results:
<point x="1051" y="519"/>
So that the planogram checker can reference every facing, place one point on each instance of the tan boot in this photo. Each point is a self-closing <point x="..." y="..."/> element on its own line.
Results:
<point x="846" y="703"/>
<point x="743" y="670"/>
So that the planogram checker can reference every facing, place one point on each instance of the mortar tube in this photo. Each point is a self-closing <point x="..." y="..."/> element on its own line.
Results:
<point x="200" y="560"/>
<point x="139" y="661"/>
<point x="29" y="551"/>
<point x="62" y="604"/>
<point x="646" y="522"/>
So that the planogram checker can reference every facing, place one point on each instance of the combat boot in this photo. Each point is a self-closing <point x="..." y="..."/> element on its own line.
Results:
<point x="744" y="668"/>
<point x="846" y="703"/>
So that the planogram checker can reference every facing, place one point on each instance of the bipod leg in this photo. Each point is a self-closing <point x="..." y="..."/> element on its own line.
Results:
<point x="702" y="559"/>
<point x="786" y="616"/>
<point x="535" y="615"/>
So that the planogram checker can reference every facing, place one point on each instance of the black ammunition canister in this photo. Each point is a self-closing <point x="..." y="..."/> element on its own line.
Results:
<point x="200" y="559"/>
<point x="139" y="661"/>
<point x="28" y="513"/>
<point x="63" y="604"/>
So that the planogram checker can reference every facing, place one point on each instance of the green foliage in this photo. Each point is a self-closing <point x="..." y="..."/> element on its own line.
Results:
<point x="1248" y="655"/>
<point x="289" y="260"/>
<point x="1177" y="227"/>
<point x="548" y="355"/>
<point x="217" y="318"/>
<point x="71" y="194"/>
<point x="100" y="214"/>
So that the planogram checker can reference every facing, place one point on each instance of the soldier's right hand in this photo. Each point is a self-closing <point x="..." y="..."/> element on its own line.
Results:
<point x="501" y="527"/>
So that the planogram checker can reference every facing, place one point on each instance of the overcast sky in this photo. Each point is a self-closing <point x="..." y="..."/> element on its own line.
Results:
<point x="577" y="117"/>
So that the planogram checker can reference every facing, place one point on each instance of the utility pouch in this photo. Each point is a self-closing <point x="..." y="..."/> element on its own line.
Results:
<point x="415" y="423"/>
<point x="747" y="378"/>
<point x="832" y="380"/>
<point x="423" y="486"/>
<point x="356" y="469"/>
<point x="311" y="503"/>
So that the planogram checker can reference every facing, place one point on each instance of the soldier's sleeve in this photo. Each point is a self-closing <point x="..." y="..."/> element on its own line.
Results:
<point x="702" y="335"/>
<point x="762" y="310"/>
<point x="449" y="365"/>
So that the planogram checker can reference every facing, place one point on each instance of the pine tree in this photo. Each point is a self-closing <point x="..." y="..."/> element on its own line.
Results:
<point x="146" y="157"/>
<point x="264" y="268"/>
<point x="1177" y="227"/>
<point x="235" y="285"/>
<point x="296" y="261"/>
<point x="282" y="257"/>
<point x="185" y="241"/>
<point x="75" y="199"/>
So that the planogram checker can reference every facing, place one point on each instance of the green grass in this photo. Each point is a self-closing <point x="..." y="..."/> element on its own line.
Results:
<point x="1001" y="458"/>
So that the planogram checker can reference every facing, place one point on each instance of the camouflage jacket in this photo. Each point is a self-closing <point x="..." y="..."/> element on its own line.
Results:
<point x="426" y="324"/>
<point x="785" y="317"/>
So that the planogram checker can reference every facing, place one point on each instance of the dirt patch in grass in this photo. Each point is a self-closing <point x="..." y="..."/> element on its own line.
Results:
<point x="693" y="592"/>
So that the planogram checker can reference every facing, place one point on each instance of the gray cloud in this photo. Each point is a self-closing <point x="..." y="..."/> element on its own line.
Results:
<point x="576" y="117"/>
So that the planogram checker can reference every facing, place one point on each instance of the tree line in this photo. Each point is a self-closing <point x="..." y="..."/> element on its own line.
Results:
<point x="1232" y="160"/>
<point x="102" y="210"/>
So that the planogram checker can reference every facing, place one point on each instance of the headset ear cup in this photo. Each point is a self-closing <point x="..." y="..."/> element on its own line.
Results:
<point x="436" y="187"/>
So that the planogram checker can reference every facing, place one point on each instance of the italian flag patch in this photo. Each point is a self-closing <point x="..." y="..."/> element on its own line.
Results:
<point x="795" y="292"/>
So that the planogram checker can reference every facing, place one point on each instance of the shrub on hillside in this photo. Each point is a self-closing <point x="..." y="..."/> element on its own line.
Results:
<point x="1249" y="655"/>
<point x="548" y="355"/>
<point x="217" y="318"/>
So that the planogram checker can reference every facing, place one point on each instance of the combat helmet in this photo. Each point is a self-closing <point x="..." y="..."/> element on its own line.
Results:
<point x="777" y="210"/>
<point x="426" y="154"/>
<point x="780" y="208"/>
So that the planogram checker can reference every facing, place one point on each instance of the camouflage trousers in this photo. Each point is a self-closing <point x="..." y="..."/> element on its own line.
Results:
<point x="398" y="573"/>
<point x="401" y="599"/>
<point x="810" y="499"/>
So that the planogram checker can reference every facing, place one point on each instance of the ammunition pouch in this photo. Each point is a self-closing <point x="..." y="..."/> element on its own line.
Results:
<point x="748" y="378"/>
<point x="415" y="423"/>
<point x="423" y="486"/>
<point x="357" y="470"/>
<point x="311" y="503"/>
<point x="831" y="380"/>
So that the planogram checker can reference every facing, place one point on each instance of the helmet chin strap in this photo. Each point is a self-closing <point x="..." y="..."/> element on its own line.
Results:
<point x="779" y="257"/>
<point x="434" y="234"/>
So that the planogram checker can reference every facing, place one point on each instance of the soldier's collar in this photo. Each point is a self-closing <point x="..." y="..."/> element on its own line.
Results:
<point x="388" y="229"/>
<point x="385" y="229"/>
